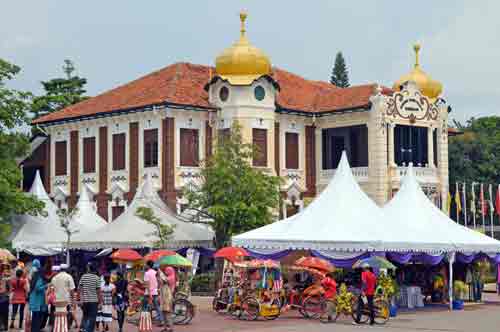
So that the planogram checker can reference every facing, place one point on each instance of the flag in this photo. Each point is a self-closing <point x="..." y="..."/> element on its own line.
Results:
<point x="473" y="199"/>
<point x="490" y="191"/>
<point x="484" y="207"/>
<point x="497" y="200"/>
<point x="449" y="203"/>
<point x="457" y="200"/>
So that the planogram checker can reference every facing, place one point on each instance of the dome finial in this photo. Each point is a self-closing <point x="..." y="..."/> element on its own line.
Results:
<point x="243" y="17"/>
<point x="416" y="48"/>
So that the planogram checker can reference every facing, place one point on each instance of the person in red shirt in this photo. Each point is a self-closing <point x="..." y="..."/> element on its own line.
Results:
<point x="330" y="286"/>
<point x="369" y="283"/>
<point x="19" y="289"/>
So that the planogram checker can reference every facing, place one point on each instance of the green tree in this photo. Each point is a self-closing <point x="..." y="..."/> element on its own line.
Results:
<point x="340" y="75"/>
<point x="60" y="92"/>
<point x="162" y="231"/>
<point x="65" y="217"/>
<point x="14" y="106"/>
<point x="233" y="195"/>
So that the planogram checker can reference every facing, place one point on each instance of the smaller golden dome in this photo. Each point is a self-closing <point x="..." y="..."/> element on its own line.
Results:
<point x="427" y="86"/>
<point x="242" y="63"/>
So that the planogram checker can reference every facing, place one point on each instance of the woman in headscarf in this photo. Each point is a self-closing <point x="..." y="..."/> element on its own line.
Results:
<point x="167" y="288"/>
<point x="38" y="306"/>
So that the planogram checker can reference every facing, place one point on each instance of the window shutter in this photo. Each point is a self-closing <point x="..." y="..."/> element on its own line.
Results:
<point x="61" y="158"/>
<point x="260" y="142"/>
<point x="292" y="150"/>
<point x="118" y="152"/>
<point x="189" y="147"/>
<point x="151" y="148"/>
<point x="89" y="155"/>
<point x="116" y="211"/>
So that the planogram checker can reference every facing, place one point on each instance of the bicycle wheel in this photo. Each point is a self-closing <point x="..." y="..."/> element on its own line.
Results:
<point x="181" y="311"/>
<point x="354" y="312"/>
<point x="382" y="311"/>
<point x="250" y="308"/>
<point x="312" y="307"/>
<point x="329" y="312"/>
<point x="218" y="305"/>
<point x="275" y="302"/>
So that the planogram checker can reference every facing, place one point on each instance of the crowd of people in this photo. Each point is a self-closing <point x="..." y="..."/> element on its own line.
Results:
<point x="37" y="297"/>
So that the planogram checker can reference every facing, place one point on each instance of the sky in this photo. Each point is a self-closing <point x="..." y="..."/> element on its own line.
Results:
<point x="113" y="42"/>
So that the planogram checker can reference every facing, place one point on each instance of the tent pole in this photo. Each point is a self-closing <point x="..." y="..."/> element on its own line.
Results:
<point x="451" y="260"/>
<point x="67" y="256"/>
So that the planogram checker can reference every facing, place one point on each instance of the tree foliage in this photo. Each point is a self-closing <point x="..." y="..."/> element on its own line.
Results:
<point x="14" y="107"/>
<point x="232" y="194"/>
<point x="340" y="75"/>
<point x="475" y="155"/>
<point x="60" y="92"/>
<point x="162" y="231"/>
<point x="65" y="216"/>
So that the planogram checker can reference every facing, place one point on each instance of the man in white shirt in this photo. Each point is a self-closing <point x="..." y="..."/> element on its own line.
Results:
<point x="64" y="285"/>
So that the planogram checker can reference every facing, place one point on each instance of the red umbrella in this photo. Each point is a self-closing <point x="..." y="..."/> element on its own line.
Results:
<point x="157" y="254"/>
<point x="315" y="263"/>
<point x="126" y="255"/>
<point x="231" y="253"/>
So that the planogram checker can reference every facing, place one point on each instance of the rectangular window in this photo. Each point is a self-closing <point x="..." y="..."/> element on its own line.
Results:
<point x="151" y="148"/>
<point x="259" y="138"/>
<point x="116" y="211"/>
<point x="292" y="150"/>
<point x="410" y="145"/>
<point x="119" y="151"/>
<point x="223" y="135"/>
<point x="353" y="140"/>
<point x="61" y="158"/>
<point x="89" y="155"/>
<point x="189" y="147"/>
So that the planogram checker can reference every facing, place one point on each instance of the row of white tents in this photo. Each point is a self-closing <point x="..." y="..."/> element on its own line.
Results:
<point x="43" y="234"/>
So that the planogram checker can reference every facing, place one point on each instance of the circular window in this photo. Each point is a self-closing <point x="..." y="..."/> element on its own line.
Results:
<point x="224" y="93"/>
<point x="260" y="93"/>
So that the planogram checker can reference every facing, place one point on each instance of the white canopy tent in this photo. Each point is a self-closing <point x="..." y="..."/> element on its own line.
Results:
<point x="342" y="218"/>
<point x="86" y="218"/>
<point x="130" y="231"/>
<point x="39" y="235"/>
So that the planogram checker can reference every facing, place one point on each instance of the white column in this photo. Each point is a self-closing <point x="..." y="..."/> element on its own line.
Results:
<point x="391" y="144"/>
<point x="430" y="147"/>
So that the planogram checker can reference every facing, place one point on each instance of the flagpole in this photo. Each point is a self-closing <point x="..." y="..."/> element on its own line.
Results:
<point x="465" y="203"/>
<point x="458" y="211"/>
<point x="491" y="208"/>
<point x="482" y="207"/>
<point x="473" y="205"/>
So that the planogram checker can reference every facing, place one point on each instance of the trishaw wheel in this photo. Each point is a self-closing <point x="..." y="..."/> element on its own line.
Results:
<point x="276" y="303"/>
<point x="382" y="312"/>
<point x="312" y="307"/>
<point x="250" y="308"/>
<point x="354" y="312"/>
<point x="182" y="311"/>
<point x="216" y="305"/>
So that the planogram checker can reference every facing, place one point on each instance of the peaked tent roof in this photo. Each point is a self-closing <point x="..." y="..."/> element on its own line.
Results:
<point x="87" y="219"/>
<point x="419" y="225"/>
<point x="130" y="231"/>
<point x="39" y="234"/>
<point x="341" y="218"/>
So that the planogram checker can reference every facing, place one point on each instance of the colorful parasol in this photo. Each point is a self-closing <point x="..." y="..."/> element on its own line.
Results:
<point x="375" y="262"/>
<point x="126" y="256"/>
<point x="314" y="272"/>
<point x="175" y="260"/>
<point x="259" y="263"/>
<point x="6" y="256"/>
<point x="231" y="253"/>
<point x="315" y="263"/>
<point x="157" y="254"/>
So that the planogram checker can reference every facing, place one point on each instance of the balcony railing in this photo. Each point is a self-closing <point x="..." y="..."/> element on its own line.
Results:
<point x="360" y="173"/>
<point x="424" y="174"/>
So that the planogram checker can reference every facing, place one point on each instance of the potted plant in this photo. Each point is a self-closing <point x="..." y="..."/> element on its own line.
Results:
<point x="459" y="291"/>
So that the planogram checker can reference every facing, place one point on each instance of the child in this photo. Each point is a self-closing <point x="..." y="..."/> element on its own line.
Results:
<point x="105" y="314"/>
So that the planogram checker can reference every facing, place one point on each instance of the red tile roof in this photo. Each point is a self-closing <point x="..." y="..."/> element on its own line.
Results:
<point x="183" y="84"/>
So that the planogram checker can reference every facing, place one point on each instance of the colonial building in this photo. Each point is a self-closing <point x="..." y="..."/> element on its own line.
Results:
<point x="166" y="122"/>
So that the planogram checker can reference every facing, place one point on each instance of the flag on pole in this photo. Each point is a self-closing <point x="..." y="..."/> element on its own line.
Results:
<point x="497" y="200"/>
<point x="492" y="210"/>
<point x="484" y="207"/>
<point x="473" y="199"/>
<point x="448" y="203"/>
<point x="457" y="200"/>
<point x="464" y="199"/>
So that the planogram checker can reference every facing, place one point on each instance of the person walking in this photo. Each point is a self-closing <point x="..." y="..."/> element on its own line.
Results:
<point x="89" y="289"/>
<point x="120" y="300"/>
<point x="330" y="286"/>
<point x="368" y="285"/>
<point x="167" y="281"/>
<point x="37" y="304"/>
<point x="151" y="294"/>
<point x="106" y="313"/>
<point x="19" y="290"/>
<point x="63" y="286"/>
<point x="4" y="296"/>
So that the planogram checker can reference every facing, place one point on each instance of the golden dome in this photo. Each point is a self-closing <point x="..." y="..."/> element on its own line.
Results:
<point x="242" y="63"/>
<point x="425" y="83"/>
